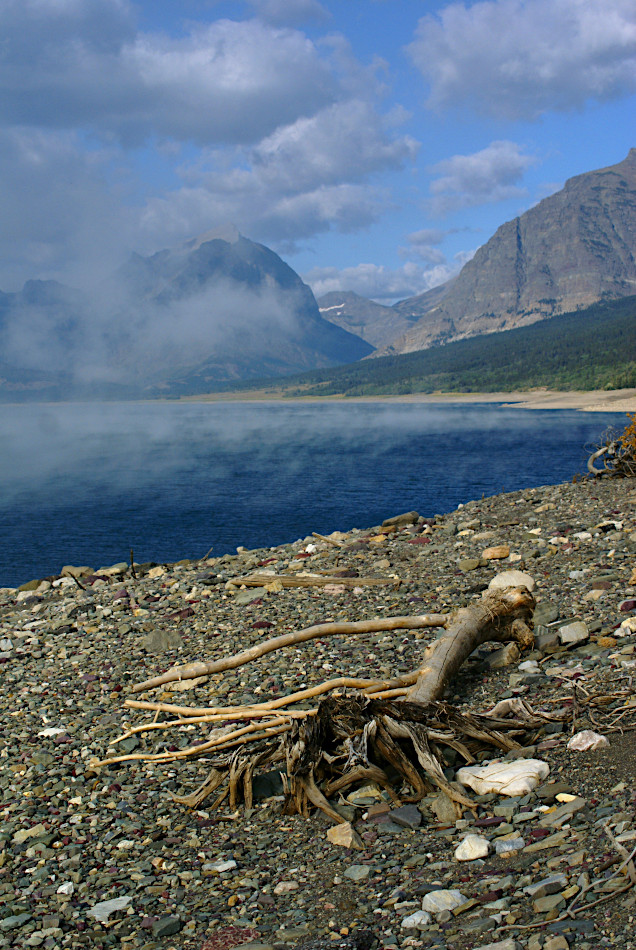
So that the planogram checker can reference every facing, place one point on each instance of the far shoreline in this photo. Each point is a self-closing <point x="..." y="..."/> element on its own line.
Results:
<point x="614" y="400"/>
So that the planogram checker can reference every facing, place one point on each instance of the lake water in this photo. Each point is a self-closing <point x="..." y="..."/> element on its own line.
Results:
<point x="82" y="484"/>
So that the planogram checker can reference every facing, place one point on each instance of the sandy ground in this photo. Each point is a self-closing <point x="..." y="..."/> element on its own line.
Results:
<point x="616" y="400"/>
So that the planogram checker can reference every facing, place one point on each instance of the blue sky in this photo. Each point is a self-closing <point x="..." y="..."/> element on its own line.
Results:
<point x="375" y="144"/>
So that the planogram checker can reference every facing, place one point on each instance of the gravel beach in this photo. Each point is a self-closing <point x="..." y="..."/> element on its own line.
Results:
<point x="103" y="857"/>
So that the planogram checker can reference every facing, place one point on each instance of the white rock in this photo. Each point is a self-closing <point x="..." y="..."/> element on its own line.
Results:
<point x="51" y="731"/>
<point x="222" y="866"/>
<point x="587" y="741"/>
<point x="437" y="901"/>
<point x="66" y="888"/>
<point x="511" y="579"/>
<point x="508" y="944"/>
<point x="471" y="848"/>
<point x="104" y="909"/>
<point x="417" y="921"/>
<point x="508" y="845"/>
<point x="286" y="887"/>
<point x="576" y="632"/>
<point x="529" y="666"/>
<point x="504" y="778"/>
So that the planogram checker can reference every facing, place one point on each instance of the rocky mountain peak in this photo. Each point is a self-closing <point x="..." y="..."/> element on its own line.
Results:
<point x="572" y="249"/>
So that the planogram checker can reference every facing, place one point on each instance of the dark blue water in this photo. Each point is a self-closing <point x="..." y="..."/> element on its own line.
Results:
<point x="82" y="484"/>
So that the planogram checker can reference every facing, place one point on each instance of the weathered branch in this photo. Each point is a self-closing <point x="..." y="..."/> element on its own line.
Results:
<point x="468" y="629"/>
<point x="312" y="580"/>
<point x="191" y="670"/>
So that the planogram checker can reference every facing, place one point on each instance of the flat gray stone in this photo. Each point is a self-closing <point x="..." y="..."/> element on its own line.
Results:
<point x="437" y="901"/>
<point x="545" y="613"/>
<point x="245" y="597"/>
<point x="160" y="641"/>
<point x="166" y="926"/>
<point x="572" y="633"/>
<point x="15" y="921"/>
<point x="408" y="816"/>
<point x="420" y="920"/>
<point x="358" y="872"/>
<point x="548" y="885"/>
<point x="509" y="944"/>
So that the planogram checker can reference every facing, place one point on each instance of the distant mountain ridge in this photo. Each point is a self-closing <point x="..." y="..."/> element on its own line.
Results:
<point x="372" y="321"/>
<point x="571" y="250"/>
<point x="218" y="308"/>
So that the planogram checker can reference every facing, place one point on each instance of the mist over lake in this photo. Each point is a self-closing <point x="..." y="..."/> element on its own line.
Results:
<point x="83" y="483"/>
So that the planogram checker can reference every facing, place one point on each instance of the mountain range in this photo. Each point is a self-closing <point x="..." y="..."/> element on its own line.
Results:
<point x="221" y="309"/>
<point x="574" y="248"/>
<point x="217" y="309"/>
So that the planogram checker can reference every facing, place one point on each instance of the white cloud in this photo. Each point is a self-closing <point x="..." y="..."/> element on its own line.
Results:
<point x="522" y="58"/>
<point x="347" y="140"/>
<point x="282" y="219"/>
<point x="484" y="177"/>
<point x="225" y="82"/>
<point x="423" y="244"/>
<point x="377" y="282"/>
<point x="283" y="136"/>
<point x="427" y="237"/>
<point x="311" y="176"/>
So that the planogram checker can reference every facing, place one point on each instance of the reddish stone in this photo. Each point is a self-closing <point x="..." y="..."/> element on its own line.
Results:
<point x="226" y="937"/>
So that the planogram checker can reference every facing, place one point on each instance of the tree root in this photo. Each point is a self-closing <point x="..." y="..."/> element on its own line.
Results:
<point x="391" y="732"/>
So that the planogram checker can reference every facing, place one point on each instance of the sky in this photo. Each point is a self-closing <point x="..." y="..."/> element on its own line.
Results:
<point x="373" y="144"/>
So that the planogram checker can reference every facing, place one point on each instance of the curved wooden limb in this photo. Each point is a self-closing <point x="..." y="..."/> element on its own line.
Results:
<point x="191" y="670"/>
<point x="468" y="629"/>
<point x="316" y="798"/>
<point x="432" y="767"/>
<point x="199" y="795"/>
<point x="390" y="751"/>
<point x="370" y="773"/>
<point x="597" y="455"/>
<point x="239" y="737"/>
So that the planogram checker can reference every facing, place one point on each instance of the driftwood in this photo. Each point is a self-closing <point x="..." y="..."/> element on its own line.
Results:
<point x="190" y="670"/>
<point x="392" y="732"/>
<point x="471" y="627"/>
<point x="616" y="453"/>
<point x="312" y="580"/>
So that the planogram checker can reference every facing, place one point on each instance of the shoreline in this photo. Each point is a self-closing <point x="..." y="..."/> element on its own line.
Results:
<point x="615" y="400"/>
<point x="71" y="657"/>
<point x="595" y="400"/>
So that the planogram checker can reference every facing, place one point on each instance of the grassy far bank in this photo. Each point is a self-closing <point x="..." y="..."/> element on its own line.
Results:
<point x="592" y="349"/>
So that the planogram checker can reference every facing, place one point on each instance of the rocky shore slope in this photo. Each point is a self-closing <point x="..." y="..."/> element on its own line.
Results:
<point x="102" y="857"/>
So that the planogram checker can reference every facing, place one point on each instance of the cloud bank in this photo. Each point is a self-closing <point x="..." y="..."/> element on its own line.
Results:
<point x="484" y="177"/>
<point x="244" y="120"/>
<point x="518" y="59"/>
<point x="384" y="284"/>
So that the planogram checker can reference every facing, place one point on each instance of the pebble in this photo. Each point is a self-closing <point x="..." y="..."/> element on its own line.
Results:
<point x="573" y="633"/>
<point x="437" y="901"/>
<point x="166" y="926"/>
<point x="104" y="909"/>
<point x="472" y="848"/>
<point x="587" y="741"/>
<point x="72" y="839"/>
<point x="420" y="920"/>
<point x="345" y="835"/>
